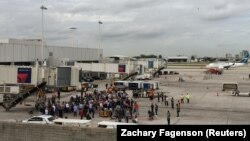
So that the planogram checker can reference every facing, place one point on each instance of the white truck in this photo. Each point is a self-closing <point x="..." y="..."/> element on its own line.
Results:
<point x="145" y="76"/>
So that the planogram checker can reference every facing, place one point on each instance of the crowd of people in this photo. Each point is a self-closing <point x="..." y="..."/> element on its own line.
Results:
<point x="115" y="104"/>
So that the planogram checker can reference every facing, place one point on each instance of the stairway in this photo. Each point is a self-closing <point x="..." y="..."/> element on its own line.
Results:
<point x="154" y="74"/>
<point x="23" y="96"/>
<point x="132" y="74"/>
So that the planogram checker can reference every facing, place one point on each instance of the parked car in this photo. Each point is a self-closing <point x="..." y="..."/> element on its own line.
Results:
<point x="96" y="77"/>
<point x="86" y="85"/>
<point x="42" y="119"/>
<point x="88" y="79"/>
<point x="93" y="85"/>
<point x="99" y="78"/>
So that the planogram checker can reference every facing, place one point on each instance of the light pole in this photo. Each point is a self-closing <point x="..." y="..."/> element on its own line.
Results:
<point x="42" y="59"/>
<point x="42" y="8"/>
<point x="99" y="39"/>
<point x="73" y="29"/>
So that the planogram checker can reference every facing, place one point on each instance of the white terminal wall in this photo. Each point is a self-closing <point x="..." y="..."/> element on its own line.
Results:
<point x="74" y="54"/>
<point x="14" y="50"/>
<point x="19" y="53"/>
<point x="111" y="68"/>
<point x="9" y="74"/>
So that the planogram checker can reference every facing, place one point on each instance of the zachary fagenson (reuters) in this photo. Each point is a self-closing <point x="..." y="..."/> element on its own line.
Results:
<point x="173" y="134"/>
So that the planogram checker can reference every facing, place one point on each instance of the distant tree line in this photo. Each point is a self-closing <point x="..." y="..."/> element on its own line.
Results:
<point x="148" y="56"/>
<point x="209" y="59"/>
<point x="193" y="57"/>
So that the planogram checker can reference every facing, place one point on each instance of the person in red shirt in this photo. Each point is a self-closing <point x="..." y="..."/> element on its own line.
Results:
<point x="136" y="108"/>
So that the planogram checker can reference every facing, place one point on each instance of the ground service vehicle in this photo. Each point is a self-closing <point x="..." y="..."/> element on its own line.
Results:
<point x="231" y="86"/>
<point x="121" y="85"/>
<point x="135" y="85"/>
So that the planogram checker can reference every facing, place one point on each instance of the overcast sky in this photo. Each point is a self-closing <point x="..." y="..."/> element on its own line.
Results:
<point x="134" y="27"/>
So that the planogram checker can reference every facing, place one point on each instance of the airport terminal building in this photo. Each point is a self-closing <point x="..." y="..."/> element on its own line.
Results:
<point x="25" y="57"/>
<point x="27" y="51"/>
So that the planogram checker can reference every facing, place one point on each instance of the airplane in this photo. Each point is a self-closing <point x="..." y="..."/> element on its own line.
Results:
<point x="227" y="65"/>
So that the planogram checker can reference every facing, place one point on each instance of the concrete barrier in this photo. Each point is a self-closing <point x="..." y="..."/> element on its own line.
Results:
<point x="10" y="131"/>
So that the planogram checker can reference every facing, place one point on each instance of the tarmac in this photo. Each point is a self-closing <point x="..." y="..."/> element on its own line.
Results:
<point x="208" y="104"/>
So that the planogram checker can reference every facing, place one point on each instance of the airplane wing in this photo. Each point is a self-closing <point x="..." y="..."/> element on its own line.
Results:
<point x="228" y="65"/>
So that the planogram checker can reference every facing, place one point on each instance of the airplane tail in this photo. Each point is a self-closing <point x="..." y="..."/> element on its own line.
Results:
<point x="245" y="58"/>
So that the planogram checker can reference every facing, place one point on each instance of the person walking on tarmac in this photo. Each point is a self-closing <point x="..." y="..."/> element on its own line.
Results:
<point x="162" y="96"/>
<point x="166" y="100"/>
<point x="168" y="117"/>
<point x="58" y="94"/>
<point x="172" y="102"/>
<point x="152" y="107"/>
<point x="182" y="98"/>
<point x="177" y="109"/>
<point x="158" y="96"/>
<point x="188" y="97"/>
<point x="127" y="115"/>
<point x="106" y="85"/>
<point x="156" y="109"/>
<point x="179" y="105"/>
